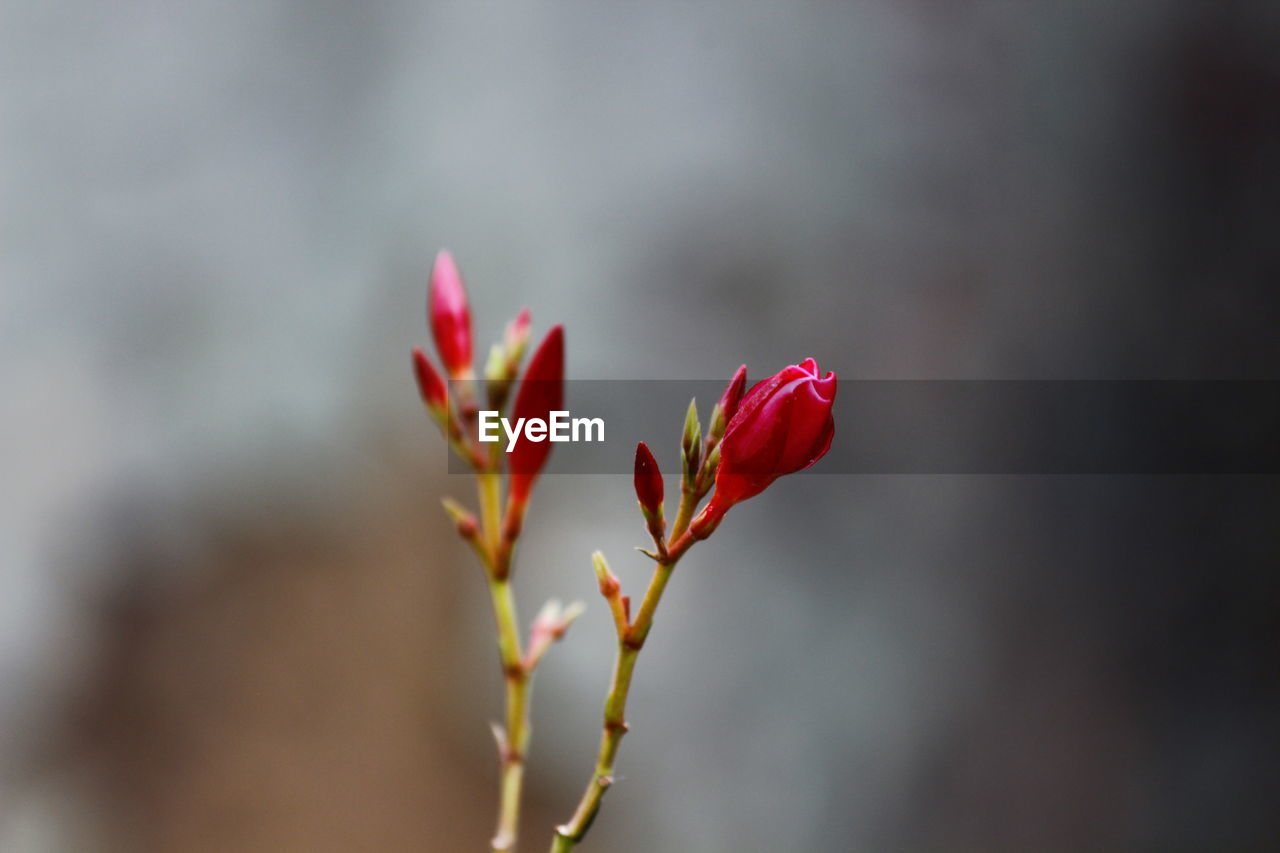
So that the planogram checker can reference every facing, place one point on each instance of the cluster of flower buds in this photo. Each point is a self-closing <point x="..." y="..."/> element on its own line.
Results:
<point x="779" y="426"/>
<point x="782" y="425"/>
<point x="540" y="392"/>
<point x="454" y="406"/>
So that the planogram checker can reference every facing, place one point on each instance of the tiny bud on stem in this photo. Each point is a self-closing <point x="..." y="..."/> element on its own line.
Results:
<point x="609" y="584"/>
<point x="496" y="377"/>
<point x="610" y="588"/>
<point x="463" y="519"/>
<point x="691" y="442"/>
<point x="707" y="473"/>
<point x="516" y="338"/>
<point x="649" y="492"/>
<point x="726" y="407"/>
<point x="430" y="385"/>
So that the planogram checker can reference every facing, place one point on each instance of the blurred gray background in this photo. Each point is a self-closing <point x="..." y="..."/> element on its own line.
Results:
<point x="232" y="617"/>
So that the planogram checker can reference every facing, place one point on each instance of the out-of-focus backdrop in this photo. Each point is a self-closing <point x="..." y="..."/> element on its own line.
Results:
<point x="232" y="617"/>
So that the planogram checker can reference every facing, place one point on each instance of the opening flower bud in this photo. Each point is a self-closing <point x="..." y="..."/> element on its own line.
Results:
<point x="783" y="425"/>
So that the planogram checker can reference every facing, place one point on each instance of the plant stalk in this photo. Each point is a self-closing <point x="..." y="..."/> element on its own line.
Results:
<point x="513" y="739"/>
<point x="630" y="641"/>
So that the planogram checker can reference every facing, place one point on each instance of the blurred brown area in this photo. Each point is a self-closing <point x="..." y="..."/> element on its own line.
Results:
<point x="300" y="695"/>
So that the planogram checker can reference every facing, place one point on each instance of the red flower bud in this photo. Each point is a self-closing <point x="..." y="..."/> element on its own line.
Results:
<point x="782" y="425"/>
<point x="648" y="481"/>
<point x="728" y="405"/>
<point x="449" y="316"/>
<point x="430" y="385"/>
<point x="541" y="392"/>
<point x="733" y="394"/>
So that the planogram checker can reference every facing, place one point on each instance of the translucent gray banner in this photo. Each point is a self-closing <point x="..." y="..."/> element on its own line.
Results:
<point x="959" y="426"/>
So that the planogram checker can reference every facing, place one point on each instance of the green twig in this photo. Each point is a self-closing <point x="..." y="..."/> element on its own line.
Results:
<point x="631" y="638"/>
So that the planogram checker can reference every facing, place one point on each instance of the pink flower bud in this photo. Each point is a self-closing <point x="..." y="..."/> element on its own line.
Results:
<point x="648" y="480"/>
<point x="430" y="385"/>
<point x="541" y="392"/>
<point x="782" y="425"/>
<point x="450" y="317"/>
<point x="517" y="331"/>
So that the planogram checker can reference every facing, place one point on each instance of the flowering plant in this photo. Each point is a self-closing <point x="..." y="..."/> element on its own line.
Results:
<point x="781" y="425"/>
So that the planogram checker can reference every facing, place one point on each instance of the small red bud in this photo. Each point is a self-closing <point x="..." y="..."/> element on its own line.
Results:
<point x="733" y="394"/>
<point x="648" y="480"/>
<point x="430" y="385"/>
<point x="728" y="405"/>
<point x="450" y="317"/>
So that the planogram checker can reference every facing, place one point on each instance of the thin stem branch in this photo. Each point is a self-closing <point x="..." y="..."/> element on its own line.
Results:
<point x="684" y="514"/>
<point x="630" y="642"/>
<point x="490" y="489"/>
<point x="513" y="739"/>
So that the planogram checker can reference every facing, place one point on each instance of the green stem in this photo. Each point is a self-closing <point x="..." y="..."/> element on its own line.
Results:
<point x="490" y="511"/>
<point x="615" y="709"/>
<point x="514" y="740"/>
<point x="684" y="514"/>
<point x="630" y="641"/>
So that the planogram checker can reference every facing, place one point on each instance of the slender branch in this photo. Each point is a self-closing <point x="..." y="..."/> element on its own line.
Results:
<point x="490" y="511"/>
<point x="630" y="641"/>
<point x="513" y="740"/>
<point x="684" y="514"/>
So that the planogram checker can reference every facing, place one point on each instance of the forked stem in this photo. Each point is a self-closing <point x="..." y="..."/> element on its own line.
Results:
<point x="631" y="639"/>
